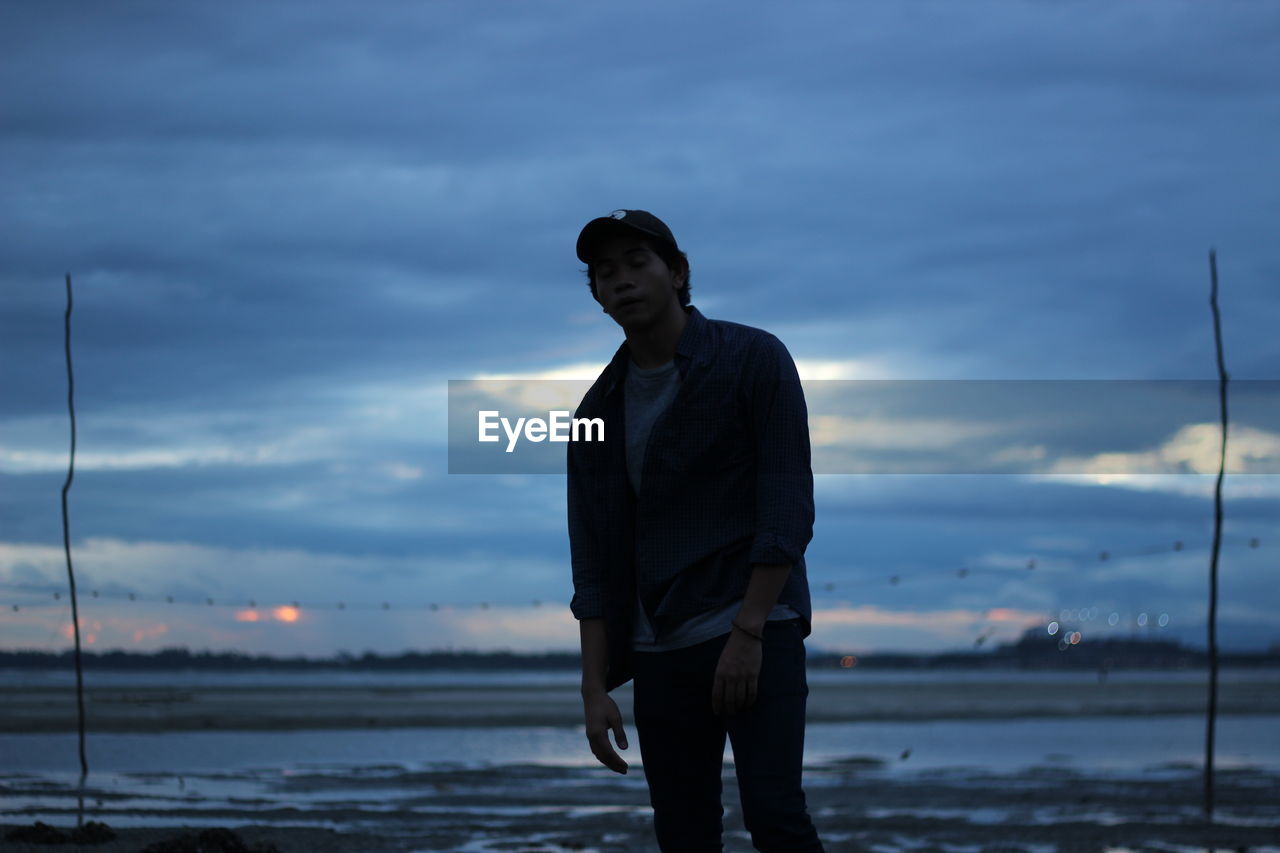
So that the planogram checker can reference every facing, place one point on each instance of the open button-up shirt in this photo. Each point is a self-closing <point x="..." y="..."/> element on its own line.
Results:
<point x="726" y="484"/>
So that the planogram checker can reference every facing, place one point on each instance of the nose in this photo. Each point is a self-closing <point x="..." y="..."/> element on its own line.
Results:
<point x="622" y="283"/>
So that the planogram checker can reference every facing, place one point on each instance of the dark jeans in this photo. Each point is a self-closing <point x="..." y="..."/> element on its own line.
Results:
<point x="682" y="746"/>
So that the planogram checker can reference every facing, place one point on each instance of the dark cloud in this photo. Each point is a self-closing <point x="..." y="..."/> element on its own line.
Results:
<point x="288" y="225"/>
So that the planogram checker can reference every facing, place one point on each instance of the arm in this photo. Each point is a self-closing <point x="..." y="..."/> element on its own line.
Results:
<point x="784" y="516"/>
<point x="738" y="670"/>
<point x="584" y="552"/>
<point x="599" y="709"/>
<point x="763" y="590"/>
<point x="784" y="474"/>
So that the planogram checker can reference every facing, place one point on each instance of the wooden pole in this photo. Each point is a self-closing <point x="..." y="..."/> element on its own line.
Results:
<point x="66" y="532"/>
<point x="1217" y="544"/>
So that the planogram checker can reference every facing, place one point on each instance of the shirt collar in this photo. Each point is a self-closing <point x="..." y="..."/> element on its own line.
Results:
<point x="690" y="347"/>
<point x="693" y="339"/>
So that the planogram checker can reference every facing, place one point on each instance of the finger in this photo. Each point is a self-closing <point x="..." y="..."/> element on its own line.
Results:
<point x="717" y="693"/>
<point x="728" y="699"/>
<point x="619" y="733"/>
<point x="604" y="753"/>
<point x="615" y="763"/>
<point x="739" y="695"/>
<point x="752" y="692"/>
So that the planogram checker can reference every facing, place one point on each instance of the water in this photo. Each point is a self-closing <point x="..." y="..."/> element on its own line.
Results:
<point x="65" y="677"/>
<point x="1106" y="743"/>
<point x="396" y="780"/>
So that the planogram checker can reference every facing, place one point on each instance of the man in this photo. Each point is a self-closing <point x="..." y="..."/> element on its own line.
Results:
<point x="687" y="526"/>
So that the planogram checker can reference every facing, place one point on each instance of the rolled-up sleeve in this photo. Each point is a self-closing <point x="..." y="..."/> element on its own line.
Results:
<point x="784" y="476"/>
<point x="588" y="576"/>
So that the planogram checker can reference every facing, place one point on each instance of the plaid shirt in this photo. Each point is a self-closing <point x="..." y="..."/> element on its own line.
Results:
<point x="726" y="484"/>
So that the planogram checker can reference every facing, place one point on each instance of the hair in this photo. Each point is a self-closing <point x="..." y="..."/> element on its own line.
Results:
<point x="670" y="255"/>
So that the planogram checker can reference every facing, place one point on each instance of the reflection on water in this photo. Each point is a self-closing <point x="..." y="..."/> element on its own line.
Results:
<point x="116" y="678"/>
<point x="351" y="777"/>
<point x="459" y="805"/>
<point x="1092" y="743"/>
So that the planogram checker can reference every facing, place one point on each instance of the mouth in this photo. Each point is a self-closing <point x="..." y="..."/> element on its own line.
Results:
<point x="627" y="303"/>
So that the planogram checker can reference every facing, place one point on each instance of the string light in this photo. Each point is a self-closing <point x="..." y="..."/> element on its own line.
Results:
<point x="1062" y="566"/>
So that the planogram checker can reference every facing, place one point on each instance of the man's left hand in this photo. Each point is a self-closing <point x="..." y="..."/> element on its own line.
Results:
<point x="737" y="674"/>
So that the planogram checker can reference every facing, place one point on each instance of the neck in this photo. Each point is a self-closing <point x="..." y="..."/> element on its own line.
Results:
<point x="655" y="344"/>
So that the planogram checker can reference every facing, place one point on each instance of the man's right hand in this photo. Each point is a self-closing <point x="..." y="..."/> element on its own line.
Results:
<point x="602" y="716"/>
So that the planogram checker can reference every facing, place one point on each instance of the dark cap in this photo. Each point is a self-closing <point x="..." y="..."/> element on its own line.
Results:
<point x="637" y="220"/>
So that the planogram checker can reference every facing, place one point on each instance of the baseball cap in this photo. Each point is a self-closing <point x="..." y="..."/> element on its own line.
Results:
<point x="637" y="220"/>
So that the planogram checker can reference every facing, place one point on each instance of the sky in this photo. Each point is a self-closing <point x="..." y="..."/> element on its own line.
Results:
<point x="288" y="226"/>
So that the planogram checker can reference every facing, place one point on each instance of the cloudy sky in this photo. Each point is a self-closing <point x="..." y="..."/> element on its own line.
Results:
<point x="289" y="225"/>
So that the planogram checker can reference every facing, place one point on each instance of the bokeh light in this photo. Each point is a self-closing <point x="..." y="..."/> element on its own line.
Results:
<point x="287" y="614"/>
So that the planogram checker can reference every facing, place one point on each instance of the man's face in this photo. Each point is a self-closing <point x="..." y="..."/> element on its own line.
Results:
<point x="633" y="285"/>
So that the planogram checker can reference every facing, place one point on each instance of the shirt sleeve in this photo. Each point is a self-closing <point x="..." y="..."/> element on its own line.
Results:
<point x="588" y="578"/>
<point x="784" y="476"/>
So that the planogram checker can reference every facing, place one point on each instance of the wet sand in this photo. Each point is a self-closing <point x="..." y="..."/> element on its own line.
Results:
<point x="155" y="709"/>
<point x="855" y="806"/>
<point x="858" y="803"/>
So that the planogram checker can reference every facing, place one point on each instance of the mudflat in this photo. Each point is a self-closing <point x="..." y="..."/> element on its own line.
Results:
<point x="856" y="807"/>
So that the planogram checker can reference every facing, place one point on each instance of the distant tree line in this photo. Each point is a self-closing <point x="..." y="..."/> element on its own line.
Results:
<point x="1035" y="650"/>
<point x="181" y="658"/>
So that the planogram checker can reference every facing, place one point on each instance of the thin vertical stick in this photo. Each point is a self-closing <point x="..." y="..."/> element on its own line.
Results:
<point x="66" y="532"/>
<point x="1217" y="544"/>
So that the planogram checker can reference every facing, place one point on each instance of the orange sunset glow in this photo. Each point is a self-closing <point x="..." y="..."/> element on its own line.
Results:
<point x="286" y="614"/>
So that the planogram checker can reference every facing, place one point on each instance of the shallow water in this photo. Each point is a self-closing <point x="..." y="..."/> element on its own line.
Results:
<point x="880" y="785"/>
<point x="507" y="807"/>
<point x="1095" y="743"/>
<point x="356" y="779"/>
<point x="115" y="678"/>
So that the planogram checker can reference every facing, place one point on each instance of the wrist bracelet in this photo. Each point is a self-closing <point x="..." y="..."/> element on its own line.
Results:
<point x="751" y="634"/>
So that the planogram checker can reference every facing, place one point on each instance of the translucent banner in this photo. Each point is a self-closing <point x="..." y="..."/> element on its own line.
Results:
<point x="1095" y="427"/>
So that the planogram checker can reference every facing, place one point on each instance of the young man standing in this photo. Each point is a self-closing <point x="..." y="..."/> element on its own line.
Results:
<point x="687" y="527"/>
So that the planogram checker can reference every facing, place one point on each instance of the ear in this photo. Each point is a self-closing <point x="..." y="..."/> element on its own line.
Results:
<point x="681" y="275"/>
